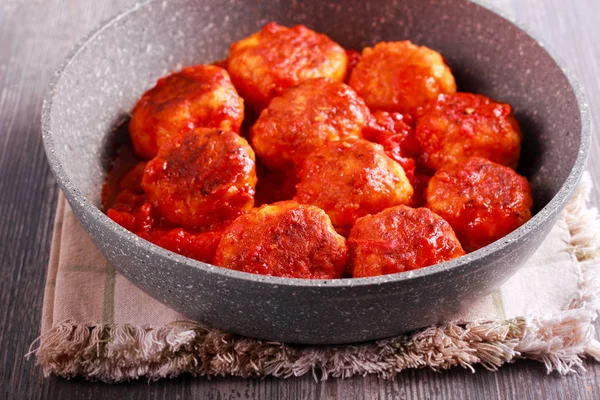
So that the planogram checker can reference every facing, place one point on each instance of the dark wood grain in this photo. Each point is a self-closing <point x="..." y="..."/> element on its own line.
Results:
<point x="34" y="37"/>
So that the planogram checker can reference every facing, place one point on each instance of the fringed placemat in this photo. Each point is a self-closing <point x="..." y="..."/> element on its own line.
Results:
<point x="98" y="325"/>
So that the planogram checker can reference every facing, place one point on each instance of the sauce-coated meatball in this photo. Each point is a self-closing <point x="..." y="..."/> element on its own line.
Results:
<point x="401" y="77"/>
<point x="284" y="239"/>
<point x="481" y="200"/>
<point x="304" y="118"/>
<point x="400" y="239"/>
<point x="277" y="57"/>
<point x="204" y="178"/>
<point x="463" y="125"/>
<point x="198" y="96"/>
<point x="350" y="180"/>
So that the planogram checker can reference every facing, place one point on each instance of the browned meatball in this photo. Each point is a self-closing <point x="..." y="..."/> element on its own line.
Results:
<point x="305" y="117"/>
<point x="277" y="57"/>
<point x="481" y="200"/>
<point x="463" y="125"/>
<point x="203" y="179"/>
<point x="198" y="96"/>
<point x="350" y="180"/>
<point x="401" y="77"/>
<point x="284" y="239"/>
<point x="400" y="239"/>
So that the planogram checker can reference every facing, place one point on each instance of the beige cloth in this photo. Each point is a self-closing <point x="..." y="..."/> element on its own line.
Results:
<point x="97" y="324"/>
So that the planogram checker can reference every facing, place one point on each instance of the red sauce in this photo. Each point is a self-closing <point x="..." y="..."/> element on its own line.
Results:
<point x="127" y="205"/>
<point x="353" y="59"/>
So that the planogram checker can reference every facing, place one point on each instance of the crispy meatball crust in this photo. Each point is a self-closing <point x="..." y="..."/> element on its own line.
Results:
<point x="400" y="239"/>
<point x="350" y="180"/>
<point x="463" y="125"/>
<point x="277" y="57"/>
<point x="401" y="77"/>
<point x="304" y="118"/>
<point x="204" y="178"/>
<point x="198" y="96"/>
<point x="284" y="239"/>
<point x="481" y="200"/>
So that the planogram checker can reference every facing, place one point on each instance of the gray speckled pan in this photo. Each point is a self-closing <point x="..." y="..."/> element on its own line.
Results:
<point x="101" y="81"/>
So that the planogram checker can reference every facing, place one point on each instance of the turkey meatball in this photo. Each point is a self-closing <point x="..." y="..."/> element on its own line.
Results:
<point x="284" y="239"/>
<point x="481" y="200"/>
<point x="198" y="96"/>
<point x="350" y="180"/>
<point x="203" y="178"/>
<point x="400" y="239"/>
<point x="463" y="125"/>
<point x="304" y="118"/>
<point x="277" y="57"/>
<point x="401" y="77"/>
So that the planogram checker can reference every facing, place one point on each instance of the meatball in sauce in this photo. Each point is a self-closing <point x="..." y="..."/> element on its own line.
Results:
<point x="351" y="180"/>
<point x="202" y="179"/>
<point x="401" y="77"/>
<point x="284" y="239"/>
<point x="304" y="118"/>
<point x="481" y="200"/>
<point x="198" y="96"/>
<point x="457" y="127"/>
<point x="400" y="239"/>
<point x="278" y="57"/>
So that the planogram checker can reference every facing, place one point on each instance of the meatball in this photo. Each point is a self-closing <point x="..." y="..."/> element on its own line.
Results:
<point x="481" y="200"/>
<point x="465" y="125"/>
<point x="400" y="239"/>
<point x="350" y="180"/>
<point x="284" y="239"/>
<point x="277" y="57"/>
<point x="305" y="117"/>
<point x="198" y="96"/>
<point x="401" y="77"/>
<point x="203" y="178"/>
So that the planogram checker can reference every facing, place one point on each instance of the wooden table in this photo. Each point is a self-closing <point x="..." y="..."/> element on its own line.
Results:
<point x="35" y="36"/>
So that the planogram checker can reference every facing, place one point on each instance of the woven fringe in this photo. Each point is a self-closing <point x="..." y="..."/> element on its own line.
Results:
<point x="121" y="352"/>
<point x="114" y="353"/>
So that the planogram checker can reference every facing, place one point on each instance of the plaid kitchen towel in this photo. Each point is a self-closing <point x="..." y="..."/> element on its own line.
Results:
<point x="98" y="325"/>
